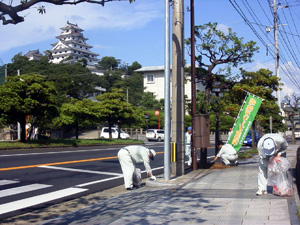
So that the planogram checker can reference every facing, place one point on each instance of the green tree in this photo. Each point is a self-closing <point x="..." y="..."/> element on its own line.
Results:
<point x="27" y="95"/>
<point x="217" y="49"/>
<point x="149" y="101"/>
<point x="133" y="86"/>
<point x="114" y="109"/>
<point x="76" y="113"/>
<point x="108" y="63"/>
<point x="261" y="83"/>
<point x="70" y="80"/>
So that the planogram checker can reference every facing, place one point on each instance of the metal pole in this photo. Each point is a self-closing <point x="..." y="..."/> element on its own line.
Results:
<point x="193" y="83"/>
<point x="19" y="126"/>
<point x="167" y="127"/>
<point x="217" y="134"/>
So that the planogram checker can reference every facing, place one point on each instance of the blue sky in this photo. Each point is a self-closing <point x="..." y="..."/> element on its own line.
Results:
<point x="135" y="32"/>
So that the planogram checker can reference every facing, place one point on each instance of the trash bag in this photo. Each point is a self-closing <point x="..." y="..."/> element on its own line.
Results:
<point x="283" y="186"/>
<point x="278" y="177"/>
<point x="137" y="178"/>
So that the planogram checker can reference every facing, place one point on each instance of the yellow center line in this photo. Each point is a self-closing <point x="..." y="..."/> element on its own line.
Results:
<point x="59" y="163"/>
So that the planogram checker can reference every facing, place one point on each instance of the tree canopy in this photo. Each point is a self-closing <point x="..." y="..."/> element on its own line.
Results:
<point x="9" y="12"/>
<point x="27" y="95"/>
<point x="217" y="48"/>
<point x="261" y="83"/>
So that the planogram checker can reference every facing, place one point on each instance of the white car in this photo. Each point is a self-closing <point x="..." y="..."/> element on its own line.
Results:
<point x="155" y="135"/>
<point x="114" y="133"/>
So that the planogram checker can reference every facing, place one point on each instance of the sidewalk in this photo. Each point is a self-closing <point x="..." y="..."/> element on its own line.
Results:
<point x="211" y="196"/>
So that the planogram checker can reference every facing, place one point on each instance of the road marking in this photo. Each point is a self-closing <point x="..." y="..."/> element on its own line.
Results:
<point x="6" y="182"/>
<point x="97" y="181"/>
<point x="81" y="171"/>
<point x="112" y="178"/>
<point x="32" y="201"/>
<point x="56" y="163"/>
<point x="61" y="163"/>
<point x="22" y="189"/>
<point x="60" y="152"/>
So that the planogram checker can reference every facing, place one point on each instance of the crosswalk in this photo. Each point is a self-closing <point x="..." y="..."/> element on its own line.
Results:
<point x="10" y="188"/>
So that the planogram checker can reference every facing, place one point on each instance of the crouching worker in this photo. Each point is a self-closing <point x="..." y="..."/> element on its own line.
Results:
<point x="129" y="156"/>
<point x="227" y="153"/>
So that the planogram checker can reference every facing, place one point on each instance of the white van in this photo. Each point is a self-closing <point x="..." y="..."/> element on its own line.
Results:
<point x="114" y="133"/>
<point x="155" y="135"/>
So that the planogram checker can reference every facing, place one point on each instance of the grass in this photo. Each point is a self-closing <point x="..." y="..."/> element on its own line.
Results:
<point x="44" y="143"/>
<point x="248" y="153"/>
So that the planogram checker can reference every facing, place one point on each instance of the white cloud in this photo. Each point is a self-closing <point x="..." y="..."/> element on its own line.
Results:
<point x="114" y="15"/>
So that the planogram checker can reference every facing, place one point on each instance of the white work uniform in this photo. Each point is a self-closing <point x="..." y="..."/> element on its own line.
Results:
<point x="228" y="154"/>
<point x="128" y="157"/>
<point x="281" y="146"/>
<point x="188" y="146"/>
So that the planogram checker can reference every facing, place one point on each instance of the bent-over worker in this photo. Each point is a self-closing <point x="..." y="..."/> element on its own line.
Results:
<point x="269" y="145"/>
<point x="129" y="156"/>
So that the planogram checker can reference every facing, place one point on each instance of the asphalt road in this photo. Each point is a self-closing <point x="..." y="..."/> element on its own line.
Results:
<point x="30" y="179"/>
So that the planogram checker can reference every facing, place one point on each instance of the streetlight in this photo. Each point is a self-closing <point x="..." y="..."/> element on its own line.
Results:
<point x="217" y="87"/>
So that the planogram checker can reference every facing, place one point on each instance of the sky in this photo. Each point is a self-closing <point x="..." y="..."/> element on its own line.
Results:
<point x="135" y="32"/>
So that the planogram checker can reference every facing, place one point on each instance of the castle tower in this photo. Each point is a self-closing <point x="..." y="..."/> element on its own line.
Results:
<point x="71" y="46"/>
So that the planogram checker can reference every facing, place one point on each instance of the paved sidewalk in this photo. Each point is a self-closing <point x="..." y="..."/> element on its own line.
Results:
<point x="212" y="196"/>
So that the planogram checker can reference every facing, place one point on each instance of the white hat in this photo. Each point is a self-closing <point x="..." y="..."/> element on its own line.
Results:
<point x="153" y="153"/>
<point x="268" y="147"/>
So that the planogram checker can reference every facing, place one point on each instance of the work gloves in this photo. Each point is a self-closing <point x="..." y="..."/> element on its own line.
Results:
<point x="153" y="178"/>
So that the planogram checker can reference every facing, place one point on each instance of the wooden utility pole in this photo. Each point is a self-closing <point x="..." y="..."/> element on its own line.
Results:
<point x="177" y="124"/>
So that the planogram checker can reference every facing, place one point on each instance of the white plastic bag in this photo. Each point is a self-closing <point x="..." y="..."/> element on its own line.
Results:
<point x="283" y="186"/>
<point x="278" y="177"/>
<point x="137" y="178"/>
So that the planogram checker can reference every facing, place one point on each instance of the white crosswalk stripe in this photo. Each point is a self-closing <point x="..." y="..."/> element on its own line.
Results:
<point x="39" y="199"/>
<point x="22" y="189"/>
<point x="6" y="182"/>
<point x="16" y="187"/>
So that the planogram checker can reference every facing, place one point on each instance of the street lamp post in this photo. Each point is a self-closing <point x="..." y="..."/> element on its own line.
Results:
<point x="217" y="89"/>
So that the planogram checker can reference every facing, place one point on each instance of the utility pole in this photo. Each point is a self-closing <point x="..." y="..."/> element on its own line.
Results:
<point x="178" y="86"/>
<point x="193" y="81"/>
<point x="276" y="49"/>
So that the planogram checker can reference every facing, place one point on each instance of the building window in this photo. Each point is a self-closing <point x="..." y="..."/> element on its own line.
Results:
<point x="150" y="78"/>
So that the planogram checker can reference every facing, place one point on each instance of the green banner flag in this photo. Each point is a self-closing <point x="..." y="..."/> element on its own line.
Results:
<point x="244" y="121"/>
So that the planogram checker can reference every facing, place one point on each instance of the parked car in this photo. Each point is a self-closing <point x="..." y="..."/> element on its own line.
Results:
<point x="114" y="133"/>
<point x="155" y="135"/>
<point x="248" y="139"/>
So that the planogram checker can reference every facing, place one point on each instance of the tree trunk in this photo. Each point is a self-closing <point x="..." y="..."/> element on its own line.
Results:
<point x="77" y="130"/>
<point x="23" y="128"/>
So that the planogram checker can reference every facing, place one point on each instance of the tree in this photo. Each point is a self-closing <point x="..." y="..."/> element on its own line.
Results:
<point x="70" y="80"/>
<point x="148" y="101"/>
<point x="216" y="49"/>
<point x="114" y="109"/>
<point x="108" y="63"/>
<point x="291" y="109"/>
<point x="9" y="13"/>
<point x="261" y="83"/>
<point x="77" y="113"/>
<point x="27" y="95"/>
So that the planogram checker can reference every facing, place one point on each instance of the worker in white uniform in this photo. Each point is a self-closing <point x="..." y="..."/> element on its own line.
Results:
<point x="269" y="145"/>
<point x="188" y="145"/>
<point x="227" y="153"/>
<point x="129" y="156"/>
